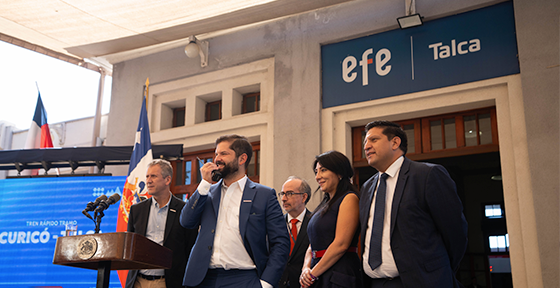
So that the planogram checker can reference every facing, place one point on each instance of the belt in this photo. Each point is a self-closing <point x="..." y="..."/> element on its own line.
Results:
<point x="384" y="279"/>
<point x="150" y="277"/>
<point x="320" y="253"/>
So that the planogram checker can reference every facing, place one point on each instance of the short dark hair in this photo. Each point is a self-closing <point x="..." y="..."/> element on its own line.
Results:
<point x="391" y="130"/>
<point x="239" y="144"/>
<point x="303" y="187"/>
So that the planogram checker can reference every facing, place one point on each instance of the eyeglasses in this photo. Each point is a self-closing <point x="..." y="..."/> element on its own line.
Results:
<point x="288" y="194"/>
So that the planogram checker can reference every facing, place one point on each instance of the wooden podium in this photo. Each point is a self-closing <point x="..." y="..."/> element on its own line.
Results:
<point x="111" y="251"/>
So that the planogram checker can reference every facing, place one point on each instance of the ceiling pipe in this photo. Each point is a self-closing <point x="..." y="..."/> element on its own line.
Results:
<point x="410" y="7"/>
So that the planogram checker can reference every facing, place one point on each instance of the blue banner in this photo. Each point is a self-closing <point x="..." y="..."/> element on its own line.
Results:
<point x="34" y="213"/>
<point x="467" y="47"/>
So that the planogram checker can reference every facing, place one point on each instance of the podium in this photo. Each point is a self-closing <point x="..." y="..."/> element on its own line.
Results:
<point x="111" y="251"/>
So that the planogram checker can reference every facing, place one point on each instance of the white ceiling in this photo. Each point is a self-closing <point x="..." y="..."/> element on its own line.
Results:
<point x="104" y="28"/>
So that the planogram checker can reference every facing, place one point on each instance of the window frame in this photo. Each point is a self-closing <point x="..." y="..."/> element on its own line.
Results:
<point x="422" y="137"/>
<point x="257" y="96"/>
<point x="209" y="106"/>
<point x="176" y="118"/>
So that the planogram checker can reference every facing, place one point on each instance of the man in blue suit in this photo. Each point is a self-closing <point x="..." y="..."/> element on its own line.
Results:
<point x="243" y="241"/>
<point x="413" y="230"/>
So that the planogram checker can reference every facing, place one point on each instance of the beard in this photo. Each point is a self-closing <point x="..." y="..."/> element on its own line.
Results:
<point x="229" y="168"/>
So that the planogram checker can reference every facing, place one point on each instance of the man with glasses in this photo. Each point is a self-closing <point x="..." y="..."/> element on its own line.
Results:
<point x="295" y="194"/>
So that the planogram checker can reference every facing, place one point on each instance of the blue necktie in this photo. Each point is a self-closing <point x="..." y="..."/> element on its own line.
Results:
<point x="378" y="217"/>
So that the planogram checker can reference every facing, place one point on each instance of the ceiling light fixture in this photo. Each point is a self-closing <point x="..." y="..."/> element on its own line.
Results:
<point x="197" y="48"/>
<point x="412" y="19"/>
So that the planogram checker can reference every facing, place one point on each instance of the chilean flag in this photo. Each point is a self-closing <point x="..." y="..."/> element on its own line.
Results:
<point x="135" y="185"/>
<point x="39" y="135"/>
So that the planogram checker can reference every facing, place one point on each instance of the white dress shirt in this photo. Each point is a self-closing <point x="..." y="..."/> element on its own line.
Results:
<point x="388" y="268"/>
<point x="298" y="224"/>
<point x="228" y="251"/>
<point x="156" y="230"/>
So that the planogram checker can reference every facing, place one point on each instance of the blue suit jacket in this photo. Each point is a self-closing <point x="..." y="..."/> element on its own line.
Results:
<point x="428" y="228"/>
<point x="261" y="225"/>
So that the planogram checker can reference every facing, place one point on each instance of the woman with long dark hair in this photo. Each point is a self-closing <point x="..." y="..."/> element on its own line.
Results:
<point x="331" y="259"/>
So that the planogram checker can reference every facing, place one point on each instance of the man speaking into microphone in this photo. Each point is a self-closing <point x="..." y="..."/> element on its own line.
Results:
<point x="243" y="241"/>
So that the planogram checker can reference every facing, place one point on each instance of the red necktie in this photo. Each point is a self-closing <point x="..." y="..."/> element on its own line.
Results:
<point x="294" y="234"/>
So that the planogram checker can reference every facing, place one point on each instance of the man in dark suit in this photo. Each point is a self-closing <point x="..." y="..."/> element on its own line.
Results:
<point x="295" y="194"/>
<point x="243" y="240"/>
<point x="157" y="218"/>
<point x="415" y="234"/>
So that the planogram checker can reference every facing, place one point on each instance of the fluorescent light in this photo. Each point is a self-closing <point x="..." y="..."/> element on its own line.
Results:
<point x="410" y="21"/>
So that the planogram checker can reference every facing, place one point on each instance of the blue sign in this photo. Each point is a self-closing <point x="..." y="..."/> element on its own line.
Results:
<point x="34" y="213"/>
<point x="463" y="48"/>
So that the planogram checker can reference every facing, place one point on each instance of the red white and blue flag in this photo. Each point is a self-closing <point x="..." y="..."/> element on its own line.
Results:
<point x="135" y="185"/>
<point x="38" y="135"/>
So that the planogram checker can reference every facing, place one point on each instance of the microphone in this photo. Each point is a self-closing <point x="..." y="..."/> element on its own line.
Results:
<point x="92" y="205"/>
<point x="216" y="175"/>
<point x="106" y="203"/>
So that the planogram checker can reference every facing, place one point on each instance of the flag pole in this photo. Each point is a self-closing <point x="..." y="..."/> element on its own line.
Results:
<point x="135" y="184"/>
<point x="147" y="90"/>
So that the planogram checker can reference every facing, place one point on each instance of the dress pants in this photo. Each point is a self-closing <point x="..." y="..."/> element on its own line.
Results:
<point x="383" y="282"/>
<point x="234" y="278"/>
<point x="145" y="283"/>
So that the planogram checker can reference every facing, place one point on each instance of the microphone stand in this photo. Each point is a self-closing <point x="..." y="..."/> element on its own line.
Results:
<point x="92" y="219"/>
<point x="98" y="222"/>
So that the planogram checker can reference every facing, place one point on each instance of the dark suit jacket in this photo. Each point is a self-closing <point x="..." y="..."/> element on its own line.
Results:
<point x="428" y="228"/>
<point x="290" y="278"/>
<point x="261" y="225"/>
<point x="176" y="238"/>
